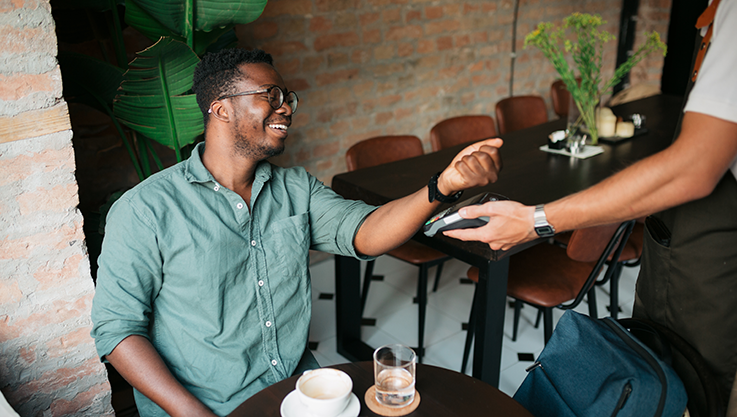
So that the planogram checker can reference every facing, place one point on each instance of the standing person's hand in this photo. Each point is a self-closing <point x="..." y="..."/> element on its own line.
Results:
<point x="510" y="223"/>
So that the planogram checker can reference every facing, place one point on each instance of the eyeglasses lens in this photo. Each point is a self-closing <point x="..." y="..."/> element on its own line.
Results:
<point x="276" y="98"/>
<point x="292" y="101"/>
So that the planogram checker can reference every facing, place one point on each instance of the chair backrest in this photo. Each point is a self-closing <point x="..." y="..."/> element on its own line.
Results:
<point x="461" y="129"/>
<point x="520" y="112"/>
<point x="560" y="97"/>
<point x="381" y="150"/>
<point x="587" y="245"/>
<point x="597" y="244"/>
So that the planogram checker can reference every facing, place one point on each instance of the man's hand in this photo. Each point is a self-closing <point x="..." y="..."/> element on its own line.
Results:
<point x="475" y="166"/>
<point x="510" y="223"/>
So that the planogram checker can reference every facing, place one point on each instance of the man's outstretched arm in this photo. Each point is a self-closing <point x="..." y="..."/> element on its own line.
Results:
<point x="397" y="221"/>
<point x="687" y="170"/>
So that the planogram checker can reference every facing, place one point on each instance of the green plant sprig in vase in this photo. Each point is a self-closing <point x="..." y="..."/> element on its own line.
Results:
<point x="586" y="48"/>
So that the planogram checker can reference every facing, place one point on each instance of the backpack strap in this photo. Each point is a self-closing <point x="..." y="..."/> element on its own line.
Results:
<point x="706" y="19"/>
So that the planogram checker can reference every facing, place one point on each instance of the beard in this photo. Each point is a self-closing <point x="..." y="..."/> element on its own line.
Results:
<point x="246" y="147"/>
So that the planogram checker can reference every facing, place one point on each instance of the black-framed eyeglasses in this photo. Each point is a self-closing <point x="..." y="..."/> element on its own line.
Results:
<point x="276" y="97"/>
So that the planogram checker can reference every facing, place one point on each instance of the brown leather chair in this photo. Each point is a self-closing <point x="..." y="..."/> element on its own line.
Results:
<point x="381" y="150"/>
<point x="520" y="112"/>
<point x="549" y="276"/>
<point x="630" y="257"/>
<point x="461" y="129"/>
<point x="561" y="97"/>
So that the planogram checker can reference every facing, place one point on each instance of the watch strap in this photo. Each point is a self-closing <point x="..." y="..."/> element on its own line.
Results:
<point x="435" y="194"/>
<point x="542" y="227"/>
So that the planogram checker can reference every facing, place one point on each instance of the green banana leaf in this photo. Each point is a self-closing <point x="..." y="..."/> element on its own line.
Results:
<point x="92" y="82"/>
<point x="154" y="97"/>
<point x="227" y="40"/>
<point x="89" y="81"/>
<point x="197" y="23"/>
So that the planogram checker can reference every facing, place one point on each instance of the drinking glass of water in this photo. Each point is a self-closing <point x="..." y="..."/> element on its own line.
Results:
<point x="394" y="375"/>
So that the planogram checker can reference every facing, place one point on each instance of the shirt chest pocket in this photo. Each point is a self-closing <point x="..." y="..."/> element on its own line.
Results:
<point x="287" y="244"/>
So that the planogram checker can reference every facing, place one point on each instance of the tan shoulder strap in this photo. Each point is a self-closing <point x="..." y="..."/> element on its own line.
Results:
<point x="706" y="19"/>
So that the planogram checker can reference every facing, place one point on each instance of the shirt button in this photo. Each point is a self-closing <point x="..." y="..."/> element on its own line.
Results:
<point x="268" y="324"/>
<point x="273" y="362"/>
<point x="253" y="243"/>
<point x="261" y="283"/>
<point x="239" y="205"/>
<point x="216" y="188"/>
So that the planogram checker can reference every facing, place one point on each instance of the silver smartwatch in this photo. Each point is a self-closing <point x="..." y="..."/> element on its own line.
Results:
<point x="542" y="227"/>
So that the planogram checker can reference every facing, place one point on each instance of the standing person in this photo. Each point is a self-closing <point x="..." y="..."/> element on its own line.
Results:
<point x="203" y="293"/>
<point x="690" y="284"/>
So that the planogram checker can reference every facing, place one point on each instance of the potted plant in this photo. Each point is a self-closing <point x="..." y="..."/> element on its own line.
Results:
<point x="585" y="44"/>
<point x="148" y="100"/>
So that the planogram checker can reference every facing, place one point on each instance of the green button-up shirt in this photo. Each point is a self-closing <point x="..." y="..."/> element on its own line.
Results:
<point x="222" y="293"/>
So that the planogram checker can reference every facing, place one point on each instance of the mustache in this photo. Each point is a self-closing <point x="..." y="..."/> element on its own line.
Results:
<point x="285" y="121"/>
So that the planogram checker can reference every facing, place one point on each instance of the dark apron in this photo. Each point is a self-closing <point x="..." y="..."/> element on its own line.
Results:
<point x="690" y="284"/>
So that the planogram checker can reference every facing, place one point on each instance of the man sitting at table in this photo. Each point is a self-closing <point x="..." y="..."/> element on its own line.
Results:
<point x="203" y="293"/>
<point x="689" y="282"/>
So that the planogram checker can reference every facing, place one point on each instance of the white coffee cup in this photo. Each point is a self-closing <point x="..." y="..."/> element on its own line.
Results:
<point x="325" y="391"/>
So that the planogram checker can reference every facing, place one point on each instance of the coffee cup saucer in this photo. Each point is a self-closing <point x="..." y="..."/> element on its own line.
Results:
<point x="293" y="407"/>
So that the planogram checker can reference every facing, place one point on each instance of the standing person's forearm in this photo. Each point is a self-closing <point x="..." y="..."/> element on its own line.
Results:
<point x="687" y="170"/>
<point x="139" y="363"/>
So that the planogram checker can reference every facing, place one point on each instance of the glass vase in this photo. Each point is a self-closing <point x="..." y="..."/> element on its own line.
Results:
<point x="582" y="119"/>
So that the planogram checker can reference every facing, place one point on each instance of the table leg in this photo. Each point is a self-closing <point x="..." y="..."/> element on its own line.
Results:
<point x="489" y="331"/>
<point x="348" y="310"/>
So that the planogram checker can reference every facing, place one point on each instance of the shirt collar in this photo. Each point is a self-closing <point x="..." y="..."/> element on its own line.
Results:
<point x="195" y="171"/>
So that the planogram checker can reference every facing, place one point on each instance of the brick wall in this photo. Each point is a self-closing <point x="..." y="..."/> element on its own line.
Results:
<point x="374" y="67"/>
<point x="48" y="364"/>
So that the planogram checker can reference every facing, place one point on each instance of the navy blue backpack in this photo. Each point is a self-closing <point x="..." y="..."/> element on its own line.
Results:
<point x="597" y="368"/>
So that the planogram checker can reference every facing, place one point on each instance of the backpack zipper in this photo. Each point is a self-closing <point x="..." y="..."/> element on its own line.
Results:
<point x="628" y="339"/>
<point x="626" y="391"/>
<point x="538" y="364"/>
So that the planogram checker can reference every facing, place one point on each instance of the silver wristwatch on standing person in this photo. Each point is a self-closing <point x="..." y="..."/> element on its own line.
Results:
<point x="542" y="227"/>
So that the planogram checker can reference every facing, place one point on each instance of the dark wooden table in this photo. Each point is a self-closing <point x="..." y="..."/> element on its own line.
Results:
<point x="530" y="176"/>
<point x="444" y="393"/>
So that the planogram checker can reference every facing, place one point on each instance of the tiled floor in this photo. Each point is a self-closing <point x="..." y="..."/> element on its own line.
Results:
<point x="390" y="303"/>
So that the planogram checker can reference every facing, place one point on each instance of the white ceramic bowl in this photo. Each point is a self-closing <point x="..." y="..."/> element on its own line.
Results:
<point x="325" y="391"/>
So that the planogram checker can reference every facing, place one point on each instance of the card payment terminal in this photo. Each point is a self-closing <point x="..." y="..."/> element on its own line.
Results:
<point x="450" y="219"/>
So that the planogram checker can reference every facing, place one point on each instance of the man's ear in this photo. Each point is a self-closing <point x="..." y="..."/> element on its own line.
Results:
<point x="219" y="111"/>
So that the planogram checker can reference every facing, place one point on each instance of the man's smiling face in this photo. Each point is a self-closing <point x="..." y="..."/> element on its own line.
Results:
<point x="259" y="130"/>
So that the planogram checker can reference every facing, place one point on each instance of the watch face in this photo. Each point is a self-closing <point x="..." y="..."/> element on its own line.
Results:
<point x="544" y="231"/>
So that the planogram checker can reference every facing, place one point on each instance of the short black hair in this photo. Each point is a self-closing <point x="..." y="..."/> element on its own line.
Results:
<point x="217" y="73"/>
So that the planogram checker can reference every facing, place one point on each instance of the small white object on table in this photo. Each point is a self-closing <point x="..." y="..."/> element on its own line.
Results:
<point x="625" y="129"/>
<point x="606" y="122"/>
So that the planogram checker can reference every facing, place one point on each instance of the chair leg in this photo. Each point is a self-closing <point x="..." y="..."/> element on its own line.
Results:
<point x="591" y="296"/>
<point x="548" y="323"/>
<point x="366" y="283"/>
<point x="539" y="316"/>
<point x="469" y="334"/>
<point x="517" y="308"/>
<point x="422" y="307"/>
<point x="614" y="291"/>
<point x="437" y="276"/>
